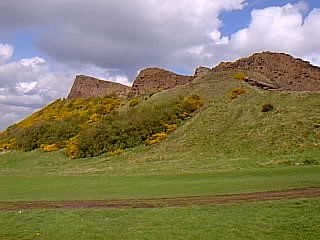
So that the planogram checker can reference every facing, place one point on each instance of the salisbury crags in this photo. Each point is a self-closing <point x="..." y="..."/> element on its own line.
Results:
<point x="148" y="80"/>
<point x="281" y="70"/>
<point x="86" y="87"/>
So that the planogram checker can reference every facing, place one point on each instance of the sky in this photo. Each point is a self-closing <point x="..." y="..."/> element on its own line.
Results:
<point x="44" y="44"/>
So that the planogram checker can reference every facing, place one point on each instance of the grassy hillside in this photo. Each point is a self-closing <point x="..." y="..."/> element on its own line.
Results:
<point x="225" y="134"/>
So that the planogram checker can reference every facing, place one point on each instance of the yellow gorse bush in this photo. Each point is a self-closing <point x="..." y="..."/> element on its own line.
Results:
<point x="72" y="150"/>
<point x="237" y="92"/>
<point x="94" y="118"/>
<point x="239" y="76"/>
<point x="170" y="127"/>
<point x="156" y="138"/>
<point x="49" y="147"/>
<point x="133" y="102"/>
<point x="194" y="101"/>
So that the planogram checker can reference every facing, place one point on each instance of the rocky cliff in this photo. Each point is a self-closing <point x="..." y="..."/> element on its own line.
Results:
<point x="86" y="87"/>
<point x="157" y="79"/>
<point x="281" y="69"/>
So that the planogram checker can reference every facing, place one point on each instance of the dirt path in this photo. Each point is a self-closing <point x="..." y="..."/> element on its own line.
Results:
<point x="311" y="192"/>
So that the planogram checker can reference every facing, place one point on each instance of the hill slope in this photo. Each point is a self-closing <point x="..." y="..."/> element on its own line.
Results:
<point x="224" y="134"/>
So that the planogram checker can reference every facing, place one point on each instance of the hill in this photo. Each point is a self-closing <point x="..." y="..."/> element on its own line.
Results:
<point x="217" y="115"/>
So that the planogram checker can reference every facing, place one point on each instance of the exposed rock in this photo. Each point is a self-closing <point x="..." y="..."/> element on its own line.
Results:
<point x="260" y="84"/>
<point x="86" y="87"/>
<point x="282" y="70"/>
<point x="157" y="79"/>
<point x="201" y="71"/>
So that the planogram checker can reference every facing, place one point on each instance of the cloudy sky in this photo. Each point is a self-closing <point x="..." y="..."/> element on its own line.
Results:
<point x="45" y="43"/>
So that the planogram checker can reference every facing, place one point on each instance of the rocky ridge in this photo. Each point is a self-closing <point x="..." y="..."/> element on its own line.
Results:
<point x="282" y="71"/>
<point x="86" y="87"/>
<point x="157" y="79"/>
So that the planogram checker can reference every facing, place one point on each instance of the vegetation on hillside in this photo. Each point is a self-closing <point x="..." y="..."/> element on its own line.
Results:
<point x="91" y="127"/>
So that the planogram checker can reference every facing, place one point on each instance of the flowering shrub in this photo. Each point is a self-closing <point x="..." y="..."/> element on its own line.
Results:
<point x="156" y="138"/>
<point x="184" y="115"/>
<point x="49" y="147"/>
<point x="72" y="150"/>
<point x="133" y="102"/>
<point x="194" y="102"/>
<point x="116" y="152"/>
<point x="6" y="146"/>
<point x="9" y="145"/>
<point x="237" y="92"/>
<point x="170" y="127"/>
<point x="91" y="127"/>
<point x="94" y="118"/>
<point x="239" y="75"/>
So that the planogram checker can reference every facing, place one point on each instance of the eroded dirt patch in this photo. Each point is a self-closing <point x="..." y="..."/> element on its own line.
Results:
<point x="311" y="192"/>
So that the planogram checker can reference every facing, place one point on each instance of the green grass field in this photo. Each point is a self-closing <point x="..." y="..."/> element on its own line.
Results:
<point x="14" y="188"/>
<point x="276" y="220"/>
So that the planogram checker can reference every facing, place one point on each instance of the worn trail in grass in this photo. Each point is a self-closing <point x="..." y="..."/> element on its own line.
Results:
<point x="271" y="220"/>
<point x="164" y="202"/>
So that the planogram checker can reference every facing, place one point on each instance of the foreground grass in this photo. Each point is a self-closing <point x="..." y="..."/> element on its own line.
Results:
<point x="14" y="188"/>
<point x="294" y="219"/>
<point x="142" y="161"/>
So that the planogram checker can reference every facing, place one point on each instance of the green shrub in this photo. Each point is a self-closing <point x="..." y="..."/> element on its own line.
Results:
<point x="267" y="108"/>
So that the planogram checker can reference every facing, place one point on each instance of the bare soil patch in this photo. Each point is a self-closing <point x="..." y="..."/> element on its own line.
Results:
<point x="311" y="192"/>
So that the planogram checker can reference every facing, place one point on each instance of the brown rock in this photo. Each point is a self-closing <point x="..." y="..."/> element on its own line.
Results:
<point x="157" y="79"/>
<point x="282" y="70"/>
<point x="86" y="87"/>
<point x="201" y="71"/>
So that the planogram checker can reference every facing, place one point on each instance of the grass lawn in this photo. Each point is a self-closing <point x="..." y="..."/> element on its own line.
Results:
<point x="290" y="219"/>
<point x="13" y="188"/>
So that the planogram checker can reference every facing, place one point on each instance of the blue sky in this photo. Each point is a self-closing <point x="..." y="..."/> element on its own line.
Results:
<point x="44" y="44"/>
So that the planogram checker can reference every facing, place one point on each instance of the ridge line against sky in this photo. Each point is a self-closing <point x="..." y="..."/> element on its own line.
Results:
<point x="44" y="44"/>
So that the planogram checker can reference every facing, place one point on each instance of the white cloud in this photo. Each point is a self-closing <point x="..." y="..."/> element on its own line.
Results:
<point x="6" y="52"/>
<point x="125" y="35"/>
<point x="289" y="29"/>
<point x="25" y="87"/>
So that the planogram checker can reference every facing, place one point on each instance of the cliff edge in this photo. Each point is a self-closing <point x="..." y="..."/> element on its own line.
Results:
<point x="86" y="87"/>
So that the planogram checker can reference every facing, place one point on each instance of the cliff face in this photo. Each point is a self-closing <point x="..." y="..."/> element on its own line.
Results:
<point x="86" y="87"/>
<point x="282" y="70"/>
<point x="157" y="79"/>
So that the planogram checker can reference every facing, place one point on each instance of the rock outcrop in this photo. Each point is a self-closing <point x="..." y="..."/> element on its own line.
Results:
<point x="201" y="71"/>
<point x="157" y="79"/>
<point x="281" y="69"/>
<point x="86" y="87"/>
